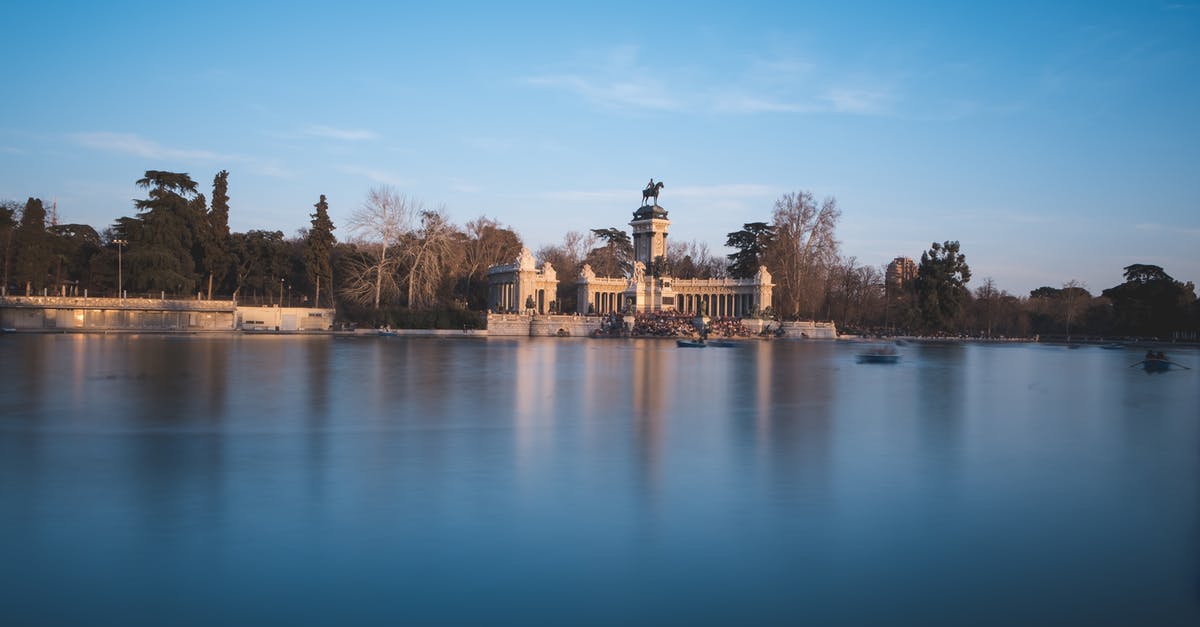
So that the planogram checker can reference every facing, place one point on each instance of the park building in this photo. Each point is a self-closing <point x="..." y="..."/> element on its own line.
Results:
<point x="521" y="287"/>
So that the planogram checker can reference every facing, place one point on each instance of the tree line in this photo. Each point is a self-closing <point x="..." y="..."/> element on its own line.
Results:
<point x="406" y="264"/>
<point x="813" y="280"/>
<point x="399" y="264"/>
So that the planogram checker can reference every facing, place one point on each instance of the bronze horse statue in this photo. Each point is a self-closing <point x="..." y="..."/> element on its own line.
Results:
<point x="651" y="191"/>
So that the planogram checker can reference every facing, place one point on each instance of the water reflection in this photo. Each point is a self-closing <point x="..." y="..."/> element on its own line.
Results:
<point x="776" y="480"/>
<point x="651" y="389"/>
<point x="942" y="408"/>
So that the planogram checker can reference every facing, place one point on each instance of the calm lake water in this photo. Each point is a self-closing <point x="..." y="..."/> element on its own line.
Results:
<point x="393" y="481"/>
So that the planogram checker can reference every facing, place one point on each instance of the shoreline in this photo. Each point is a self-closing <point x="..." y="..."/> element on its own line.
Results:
<point x="483" y="334"/>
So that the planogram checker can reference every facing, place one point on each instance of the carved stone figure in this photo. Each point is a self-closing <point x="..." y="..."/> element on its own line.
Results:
<point x="586" y="273"/>
<point x="639" y="273"/>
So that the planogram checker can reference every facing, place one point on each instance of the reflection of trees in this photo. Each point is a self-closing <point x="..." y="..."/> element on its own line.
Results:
<point x="941" y="404"/>
<point x="798" y="433"/>
<point x="317" y="355"/>
<point x="780" y="404"/>
<point x="164" y="370"/>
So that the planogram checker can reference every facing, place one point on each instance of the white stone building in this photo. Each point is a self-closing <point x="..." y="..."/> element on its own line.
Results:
<point x="521" y="287"/>
<point x="642" y="291"/>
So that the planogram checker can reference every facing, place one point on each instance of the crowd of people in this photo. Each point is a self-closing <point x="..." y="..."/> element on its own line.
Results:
<point x="727" y="326"/>
<point x="611" y="325"/>
<point x="669" y="324"/>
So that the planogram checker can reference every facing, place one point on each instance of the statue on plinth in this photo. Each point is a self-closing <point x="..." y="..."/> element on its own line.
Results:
<point x="639" y="274"/>
<point x="651" y="191"/>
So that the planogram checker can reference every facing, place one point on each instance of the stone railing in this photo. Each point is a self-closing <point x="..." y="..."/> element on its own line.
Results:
<point x="81" y="302"/>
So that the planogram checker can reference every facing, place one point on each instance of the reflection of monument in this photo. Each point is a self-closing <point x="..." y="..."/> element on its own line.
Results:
<point x="650" y="288"/>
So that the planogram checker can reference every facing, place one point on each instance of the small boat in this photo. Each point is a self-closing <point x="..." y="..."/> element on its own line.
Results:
<point x="1156" y="365"/>
<point x="387" y="333"/>
<point x="723" y="343"/>
<point x="690" y="343"/>
<point x="882" y="355"/>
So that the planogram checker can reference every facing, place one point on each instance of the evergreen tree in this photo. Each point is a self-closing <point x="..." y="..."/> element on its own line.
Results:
<point x="751" y="243"/>
<point x="74" y="246"/>
<point x="1150" y="302"/>
<point x="615" y="257"/>
<point x="32" y="244"/>
<point x="318" y="250"/>
<point x="162" y="257"/>
<point x="261" y="260"/>
<point x="8" y="227"/>
<point x="215" y="228"/>
<point x="219" y="213"/>
<point x="941" y="285"/>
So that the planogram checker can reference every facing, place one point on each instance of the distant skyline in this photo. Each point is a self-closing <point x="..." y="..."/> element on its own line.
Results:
<point x="1056" y="141"/>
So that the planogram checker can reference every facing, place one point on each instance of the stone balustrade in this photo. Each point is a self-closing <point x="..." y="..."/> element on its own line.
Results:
<point x="87" y="302"/>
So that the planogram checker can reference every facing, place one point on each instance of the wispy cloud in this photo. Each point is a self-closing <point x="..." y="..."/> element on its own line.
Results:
<point x="131" y="144"/>
<point x="341" y="134"/>
<point x="715" y="195"/>
<point x="616" y="79"/>
<point x="1156" y="227"/>
<point x="464" y="187"/>
<point x="859" y="101"/>
<point x="743" y="103"/>
<point x="571" y="196"/>
<point x="274" y="170"/>
<point x="786" y="85"/>
<point x="376" y="175"/>
<point x="638" y="93"/>
<point x="729" y="190"/>
<point x="138" y="146"/>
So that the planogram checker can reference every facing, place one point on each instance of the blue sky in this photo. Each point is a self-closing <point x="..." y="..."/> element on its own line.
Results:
<point x="1056" y="141"/>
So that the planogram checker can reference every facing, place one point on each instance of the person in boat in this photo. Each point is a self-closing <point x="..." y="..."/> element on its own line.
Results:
<point x="1150" y="355"/>
<point x="1161" y="356"/>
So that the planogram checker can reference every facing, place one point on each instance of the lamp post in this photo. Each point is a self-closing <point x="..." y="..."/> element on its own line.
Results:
<point x="120" y="244"/>
<point x="281" y="292"/>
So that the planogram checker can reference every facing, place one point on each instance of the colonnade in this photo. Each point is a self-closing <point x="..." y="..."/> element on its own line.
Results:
<point x="504" y="297"/>
<point x="717" y="305"/>
<point x="603" y="302"/>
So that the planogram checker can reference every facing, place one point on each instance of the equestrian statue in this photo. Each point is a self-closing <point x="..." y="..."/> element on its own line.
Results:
<point x="651" y="191"/>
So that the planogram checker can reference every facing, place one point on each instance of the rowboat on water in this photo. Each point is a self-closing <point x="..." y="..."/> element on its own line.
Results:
<point x="1156" y="365"/>
<point x="880" y="355"/>
<point x="690" y="343"/>
<point x="723" y="343"/>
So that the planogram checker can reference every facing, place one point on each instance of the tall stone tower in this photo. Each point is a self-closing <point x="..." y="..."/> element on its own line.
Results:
<point x="650" y="225"/>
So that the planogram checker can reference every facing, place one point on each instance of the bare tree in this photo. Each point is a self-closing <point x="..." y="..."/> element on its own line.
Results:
<point x="567" y="259"/>
<point x="693" y="260"/>
<point x="803" y="247"/>
<point x="486" y="244"/>
<point x="380" y="224"/>
<point x="367" y="280"/>
<point x="429" y="256"/>
<point x="853" y="292"/>
<point x="987" y="296"/>
<point x="1075" y="296"/>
